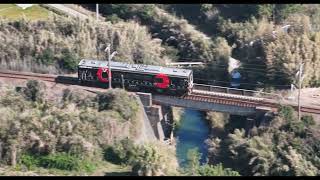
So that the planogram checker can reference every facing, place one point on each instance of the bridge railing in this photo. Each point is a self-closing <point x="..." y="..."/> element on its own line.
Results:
<point x="236" y="91"/>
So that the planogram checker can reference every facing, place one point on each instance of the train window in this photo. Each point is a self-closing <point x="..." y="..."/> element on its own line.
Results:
<point x="158" y="80"/>
<point x="104" y="74"/>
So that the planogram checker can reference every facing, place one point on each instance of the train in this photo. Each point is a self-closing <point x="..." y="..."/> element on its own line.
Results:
<point x="137" y="77"/>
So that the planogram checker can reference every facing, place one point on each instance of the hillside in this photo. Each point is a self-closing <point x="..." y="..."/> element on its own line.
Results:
<point x="75" y="132"/>
<point x="14" y="12"/>
<point x="57" y="44"/>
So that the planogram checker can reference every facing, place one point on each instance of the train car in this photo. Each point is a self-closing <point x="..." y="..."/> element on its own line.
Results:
<point x="137" y="77"/>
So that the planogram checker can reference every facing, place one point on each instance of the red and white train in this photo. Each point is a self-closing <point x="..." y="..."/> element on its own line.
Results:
<point x="137" y="77"/>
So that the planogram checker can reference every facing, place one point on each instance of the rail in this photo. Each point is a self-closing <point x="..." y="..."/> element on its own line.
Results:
<point x="236" y="91"/>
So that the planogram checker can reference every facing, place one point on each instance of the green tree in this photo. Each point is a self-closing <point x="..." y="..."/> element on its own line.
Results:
<point x="193" y="161"/>
<point x="69" y="60"/>
<point x="34" y="91"/>
<point x="217" y="170"/>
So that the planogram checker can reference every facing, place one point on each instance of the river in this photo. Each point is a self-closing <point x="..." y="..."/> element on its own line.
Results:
<point x="192" y="133"/>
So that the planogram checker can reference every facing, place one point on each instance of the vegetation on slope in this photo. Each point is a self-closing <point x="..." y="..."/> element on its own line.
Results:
<point x="268" y="61"/>
<point x="59" y="43"/>
<point x="14" y="12"/>
<point x="285" y="147"/>
<point x="72" y="133"/>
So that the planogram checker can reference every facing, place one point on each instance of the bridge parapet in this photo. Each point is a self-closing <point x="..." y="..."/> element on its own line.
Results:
<point x="236" y="91"/>
<point x="146" y="98"/>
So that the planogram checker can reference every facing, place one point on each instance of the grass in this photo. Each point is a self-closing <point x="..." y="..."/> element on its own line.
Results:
<point x="104" y="168"/>
<point x="14" y="12"/>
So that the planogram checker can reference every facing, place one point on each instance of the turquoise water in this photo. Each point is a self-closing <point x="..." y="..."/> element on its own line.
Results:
<point x="192" y="133"/>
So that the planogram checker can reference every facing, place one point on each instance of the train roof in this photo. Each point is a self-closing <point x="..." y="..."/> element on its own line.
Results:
<point x="90" y="63"/>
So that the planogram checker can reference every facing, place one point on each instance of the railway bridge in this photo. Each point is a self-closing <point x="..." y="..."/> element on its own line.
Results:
<point x="228" y="100"/>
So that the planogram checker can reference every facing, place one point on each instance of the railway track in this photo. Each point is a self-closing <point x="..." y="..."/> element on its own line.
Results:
<point x="229" y="99"/>
<point x="27" y="76"/>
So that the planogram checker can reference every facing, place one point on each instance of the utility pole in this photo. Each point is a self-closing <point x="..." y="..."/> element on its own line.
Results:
<point x="274" y="13"/>
<point x="109" y="63"/>
<point x="97" y="11"/>
<point x="299" y="93"/>
<point x="122" y="80"/>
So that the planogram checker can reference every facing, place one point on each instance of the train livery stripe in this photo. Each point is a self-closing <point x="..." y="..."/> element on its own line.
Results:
<point x="165" y="81"/>
<point x="99" y="74"/>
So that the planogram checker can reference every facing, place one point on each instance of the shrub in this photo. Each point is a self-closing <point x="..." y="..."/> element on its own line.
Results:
<point x="65" y="161"/>
<point x="287" y="112"/>
<point x="121" y="152"/>
<point x="217" y="170"/>
<point x="69" y="60"/>
<point x="30" y="161"/>
<point x="33" y="90"/>
<point x="308" y="120"/>
<point x="46" y="57"/>
<point x="120" y="101"/>
<point x="59" y="160"/>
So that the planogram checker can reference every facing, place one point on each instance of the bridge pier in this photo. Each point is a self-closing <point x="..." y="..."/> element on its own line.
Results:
<point x="160" y="117"/>
<point x="260" y="118"/>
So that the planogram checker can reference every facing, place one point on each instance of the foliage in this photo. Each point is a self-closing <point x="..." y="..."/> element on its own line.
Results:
<point x="35" y="12"/>
<point x="308" y="120"/>
<point x="47" y="127"/>
<point x="195" y="169"/>
<point x="146" y="160"/>
<point x="61" y="161"/>
<point x="285" y="148"/>
<point x="117" y="100"/>
<point x="33" y="90"/>
<point x="46" y="57"/>
<point x="58" y="43"/>
<point x="69" y="60"/>
<point x="193" y="158"/>
<point x="173" y="31"/>
<point x="217" y="170"/>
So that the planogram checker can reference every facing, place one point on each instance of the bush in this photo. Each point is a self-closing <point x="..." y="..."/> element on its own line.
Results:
<point x="120" y="101"/>
<point x="287" y="113"/>
<point x="61" y="161"/>
<point x="69" y="60"/>
<point x="33" y="90"/>
<point x="218" y="170"/>
<point x="30" y="161"/>
<point x="46" y="57"/>
<point x="113" y="18"/>
<point x="121" y="152"/>
<point x="308" y="120"/>
<point x="65" y="161"/>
